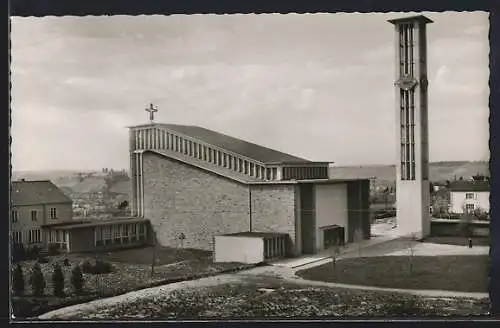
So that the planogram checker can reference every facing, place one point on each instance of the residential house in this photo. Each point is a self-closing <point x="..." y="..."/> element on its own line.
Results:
<point x="469" y="196"/>
<point x="33" y="205"/>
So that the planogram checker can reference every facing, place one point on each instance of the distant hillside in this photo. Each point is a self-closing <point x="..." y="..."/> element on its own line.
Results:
<point x="122" y="187"/>
<point x="439" y="171"/>
<point x="70" y="181"/>
<point x="91" y="184"/>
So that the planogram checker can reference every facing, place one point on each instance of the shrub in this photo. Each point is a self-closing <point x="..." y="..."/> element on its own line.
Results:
<point x="18" y="280"/>
<point x="102" y="267"/>
<point x="86" y="266"/>
<point x="58" y="281"/>
<point x="37" y="280"/>
<point x="98" y="267"/>
<point x="53" y="249"/>
<point x="18" y="252"/>
<point x="77" y="279"/>
<point x="43" y="259"/>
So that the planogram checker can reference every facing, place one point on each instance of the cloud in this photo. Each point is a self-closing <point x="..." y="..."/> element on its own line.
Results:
<point x="78" y="81"/>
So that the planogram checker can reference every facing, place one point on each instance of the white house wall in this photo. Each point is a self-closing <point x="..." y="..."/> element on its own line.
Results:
<point x="239" y="249"/>
<point x="458" y="200"/>
<point x="331" y="208"/>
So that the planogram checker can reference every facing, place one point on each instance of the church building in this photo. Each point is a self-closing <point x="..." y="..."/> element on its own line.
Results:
<point x="194" y="184"/>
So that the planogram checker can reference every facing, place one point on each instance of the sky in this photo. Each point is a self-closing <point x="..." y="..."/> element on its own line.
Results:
<point x="318" y="86"/>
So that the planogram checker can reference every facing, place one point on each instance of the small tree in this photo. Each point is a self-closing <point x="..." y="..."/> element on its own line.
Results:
<point x="411" y="250"/>
<point x="335" y="251"/>
<point x="18" y="280"/>
<point x="37" y="281"/>
<point x="58" y="281"/>
<point x="466" y="222"/>
<point x="77" y="279"/>
<point x="480" y="214"/>
<point x="358" y="239"/>
<point x="18" y="252"/>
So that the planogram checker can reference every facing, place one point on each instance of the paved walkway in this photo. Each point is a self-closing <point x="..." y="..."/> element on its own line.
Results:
<point x="325" y="256"/>
<point x="419" y="292"/>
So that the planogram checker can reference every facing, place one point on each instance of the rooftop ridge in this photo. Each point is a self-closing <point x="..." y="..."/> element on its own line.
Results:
<point x="251" y="150"/>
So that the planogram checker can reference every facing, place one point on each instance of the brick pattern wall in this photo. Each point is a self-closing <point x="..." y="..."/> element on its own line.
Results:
<point x="183" y="199"/>
<point x="273" y="210"/>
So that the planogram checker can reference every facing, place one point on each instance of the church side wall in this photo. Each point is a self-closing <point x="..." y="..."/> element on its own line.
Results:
<point x="183" y="199"/>
<point x="273" y="210"/>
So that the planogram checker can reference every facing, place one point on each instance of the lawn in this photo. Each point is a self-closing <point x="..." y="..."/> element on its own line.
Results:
<point x="268" y="298"/>
<point x="131" y="271"/>
<point x="454" y="273"/>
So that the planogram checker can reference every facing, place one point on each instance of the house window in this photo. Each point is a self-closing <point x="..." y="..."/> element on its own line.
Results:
<point x="106" y="235"/>
<point x="125" y="233"/>
<point x="53" y="213"/>
<point x="142" y="232"/>
<point x="59" y="238"/>
<point x="15" y="216"/>
<point x="133" y="232"/>
<point x="34" y="236"/>
<point x="469" y="195"/>
<point x="17" y="237"/>
<point x="98" y="236"/>
<point x="469" y="207"/>
<point x="117" y="234"/>
<point x="34" y="215"/>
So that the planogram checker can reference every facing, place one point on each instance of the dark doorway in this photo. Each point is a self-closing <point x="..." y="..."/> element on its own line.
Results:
<point x="307" y="219"/>
<point x="334" y="235"/>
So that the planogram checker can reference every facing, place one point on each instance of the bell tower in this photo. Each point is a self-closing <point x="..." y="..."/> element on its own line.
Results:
<point x="412" y="159"/>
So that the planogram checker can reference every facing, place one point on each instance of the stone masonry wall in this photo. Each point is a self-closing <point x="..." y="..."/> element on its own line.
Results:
<point x="273" y="210"/>
<point x="183" y="199"/>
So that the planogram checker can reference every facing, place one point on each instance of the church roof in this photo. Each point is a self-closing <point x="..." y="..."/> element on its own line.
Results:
<point x="37" y="193"/>
<point x="235" y="176"/>
<point x="218" y="170"/>
<point x="238" y="146"/>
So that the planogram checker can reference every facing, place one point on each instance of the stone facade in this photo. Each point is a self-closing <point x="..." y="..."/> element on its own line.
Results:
<point x="274" y="210"/>
<point x="183" y="199"/>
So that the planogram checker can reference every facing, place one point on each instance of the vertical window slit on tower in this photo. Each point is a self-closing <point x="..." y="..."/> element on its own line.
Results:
<point x="405" y="47"/>
<point x="411" y="49"/>
<point x="412" y="133"/>
<point x="406" y="136"/>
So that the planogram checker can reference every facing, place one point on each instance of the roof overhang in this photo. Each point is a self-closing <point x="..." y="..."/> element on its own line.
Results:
<point x="300" y="163"/>
<point x="411" y="19"/>
<point x="94" y="223"/>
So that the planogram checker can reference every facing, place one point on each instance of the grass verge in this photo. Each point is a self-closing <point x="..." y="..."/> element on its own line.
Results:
<point x="454" y="273"/>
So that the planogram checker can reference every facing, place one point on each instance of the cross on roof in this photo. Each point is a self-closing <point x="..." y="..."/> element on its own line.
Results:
<point x="152" y="110"/>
